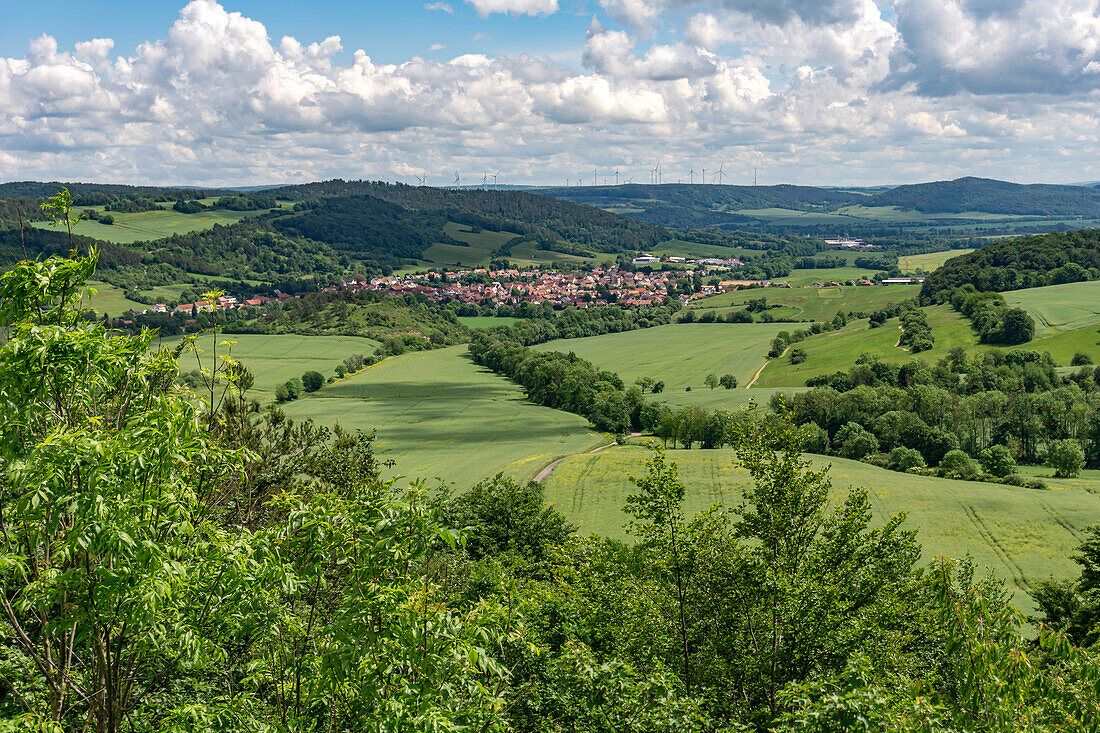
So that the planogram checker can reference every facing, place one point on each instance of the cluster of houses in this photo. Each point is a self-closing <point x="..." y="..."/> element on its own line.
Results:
<point x="591" y="288"/>
<point x="863" y="282"/>
<point x="713" y="262"/>
<point x="596" y="287"/>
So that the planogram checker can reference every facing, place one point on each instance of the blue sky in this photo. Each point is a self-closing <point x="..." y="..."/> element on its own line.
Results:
<point x="832" y="92"/>
<point x="393" y="31"/>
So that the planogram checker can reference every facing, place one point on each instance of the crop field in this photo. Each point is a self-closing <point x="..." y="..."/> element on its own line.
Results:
<point x="439" y="415"/>
<point x="1058" y="308"/>
<point x="146" y="225"/>
<point x="837" y="350"/>
<point x="680" y="355"/>
<point x="816" y="304"/>
<point x="930" y="261"/>
<point x="680" y="248"/>
<point x="275" y="359"/>
<point x="1024" y="535"/>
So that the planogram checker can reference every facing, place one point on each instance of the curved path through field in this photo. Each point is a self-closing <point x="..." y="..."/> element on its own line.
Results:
<point x="761" y="369"/>
<point x="554" y="464"/>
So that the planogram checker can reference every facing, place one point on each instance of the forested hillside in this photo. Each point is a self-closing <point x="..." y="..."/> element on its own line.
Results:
<point x="93" y="194"/>
<point x="685" y="205"/>
<point x="549" y="221"/>
<point x="366" y="226"/>
<point x="1048" y="259"/>
<point x="995" y="197"/>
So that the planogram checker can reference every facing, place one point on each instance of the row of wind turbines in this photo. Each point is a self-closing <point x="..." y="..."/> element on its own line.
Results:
<point x="656" y="177"/>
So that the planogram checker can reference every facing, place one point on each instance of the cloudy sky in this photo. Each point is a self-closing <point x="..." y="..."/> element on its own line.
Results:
<point x="829" y="92"/>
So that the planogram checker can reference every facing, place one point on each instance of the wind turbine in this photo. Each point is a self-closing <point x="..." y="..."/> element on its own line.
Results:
<point x="595" y="174"/>
<point x="495" y="177"/>
<point x="704" y="176"/>
<point x="484" y="180"/>
<point x="658" y="173"/>
<point x="719" y="173"/>
<point x="691" y="174"/>
<point x="754" y="175"/>
<point x="458" y="179"/>
<point x="616" y="175"/>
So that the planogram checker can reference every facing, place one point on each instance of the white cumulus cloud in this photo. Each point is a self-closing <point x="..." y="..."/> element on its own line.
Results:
<point x="485" y="8"/>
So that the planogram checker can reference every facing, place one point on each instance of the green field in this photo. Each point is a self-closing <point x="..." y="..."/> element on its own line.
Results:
<point x="837" y="350"/>
<point x="800" y="277"/>
<point x="1025" y="535"/>
<point x="928" y="262"/>
<point x="1060" y="308"/>
<point x="110" y="299"/>
<point x="275" y="359"/>
<point x="816" y="304"/>
<point x="145" y="225"/>
<point x="680" y="355"/>
<point x="480" y="250"/>
<point x="1063" y="346"/>
<point x="722" y="399"/>
<point x="440" y="415"/>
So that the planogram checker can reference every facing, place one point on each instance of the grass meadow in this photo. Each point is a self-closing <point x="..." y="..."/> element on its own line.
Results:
<point x="481" y="246"/>
<point x="837" y="350"/>
<point x="1060" y="308"/>
<point x="110" y="299"/>
<point x="1024" y="535"/>
<point x="681" y="355"/>
<point x="817" y="304"/>
<point x="439" y="415"/>
<point x="276" y="358"/>
<point x="930" y="261"/>
<point x="147" y="225"/>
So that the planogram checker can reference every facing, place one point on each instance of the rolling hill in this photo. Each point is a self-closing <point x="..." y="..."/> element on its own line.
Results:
<point x="964" y="200"/>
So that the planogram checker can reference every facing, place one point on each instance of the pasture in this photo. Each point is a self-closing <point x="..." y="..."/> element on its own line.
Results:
<point x="680" y="355"/>
<point x="1024" y="535"/>
<point x="810" y="304"/>
<point x="837" y="350"/>
<point x="440" y="416"/>
<point x="930" y="261"/>
<point x="273" y="359"/>
<point x="148" y="225"/>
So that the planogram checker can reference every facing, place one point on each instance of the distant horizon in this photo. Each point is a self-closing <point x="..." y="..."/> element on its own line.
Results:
<point x="507" y="186"/>
<point x="845" y="93"/>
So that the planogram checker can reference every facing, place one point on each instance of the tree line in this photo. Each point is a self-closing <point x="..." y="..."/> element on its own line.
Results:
<point x="1014" y="403"/>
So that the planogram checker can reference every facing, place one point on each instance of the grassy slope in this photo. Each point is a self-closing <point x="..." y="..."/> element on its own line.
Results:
<point x="1025" y="535"/>
<point x="481" y="248"/>
<point x="1059" y="308"/>
<point x="681" y="355"/>
<point x="275" y="359"/>
<point x="110" y="299"/>
<point x="800" y="277"/>
<point x="146" y="225"/>
<point x="439" y="415"/>
<point x="838" y="350"/>
<point x="819" y="304"/>
<point x="930" y="261"/>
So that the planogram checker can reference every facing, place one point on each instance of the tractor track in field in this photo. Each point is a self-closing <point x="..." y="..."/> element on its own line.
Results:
<point x="1061" y="521"/>
<point x="549" y="468"/>
<point x="761" y="369"/>
<point x="1016" y="571"/>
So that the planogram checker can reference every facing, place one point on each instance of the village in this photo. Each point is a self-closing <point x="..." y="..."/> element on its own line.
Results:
<point x="595" y="287"/>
